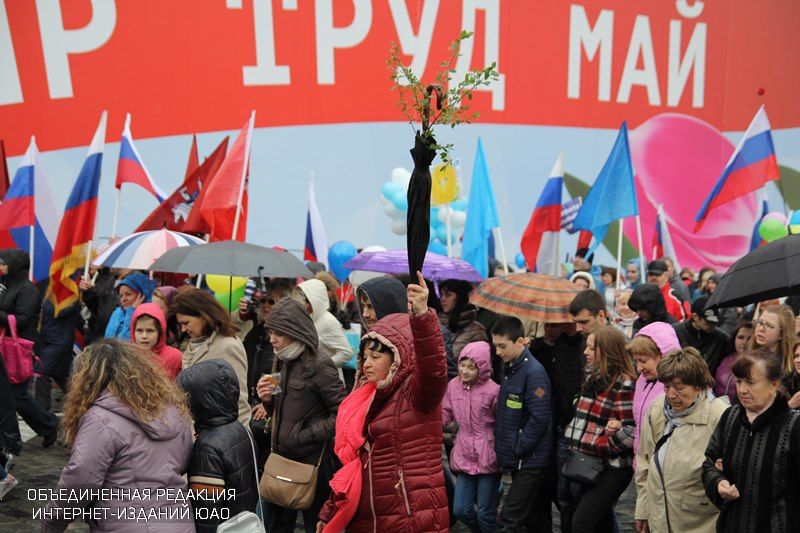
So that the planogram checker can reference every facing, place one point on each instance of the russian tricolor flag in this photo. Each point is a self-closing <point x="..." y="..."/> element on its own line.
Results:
<point x="750" y="167"/>
<point x="662" y="240"/>
<point x="316" y="248"/>
<point x="77" y="225"/>
<point x="29" y="204"/>
<point x="131" y="169"/>
<point x="540" y="240"/>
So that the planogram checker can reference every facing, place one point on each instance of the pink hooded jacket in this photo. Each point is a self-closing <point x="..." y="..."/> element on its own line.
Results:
<point x="171" y="358"/>
<point x="473" y="405"/>
<point x="665" y="338"/>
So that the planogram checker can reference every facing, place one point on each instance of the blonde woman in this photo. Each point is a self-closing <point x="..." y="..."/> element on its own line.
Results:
<point x="774" y="332"/>
<point x="128" y="429"/>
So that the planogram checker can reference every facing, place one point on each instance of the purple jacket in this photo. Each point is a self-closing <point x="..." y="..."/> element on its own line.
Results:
<point x="665" y="338"/>
<point x="114" y="450"/>
<point x="473" y="405"/>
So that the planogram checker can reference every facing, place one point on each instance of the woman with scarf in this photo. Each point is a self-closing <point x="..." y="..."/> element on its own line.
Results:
<point x="212" y="335"/>
<point x="304" y="411"/>
<point x="389" y="429"/>
<point x="633" y="275"/>
<point x="134" y="289"/>
<point x="459" y="316"/>
<point x="674" y="432"/>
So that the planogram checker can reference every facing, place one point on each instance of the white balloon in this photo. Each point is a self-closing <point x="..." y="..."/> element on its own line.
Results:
<point x="392" y="211"/>
<point x="442" y="214"/>
<point x="458" y="219"/>
<point x="374" y="248"/>
<point x="399" y="226"/>
<point x="401" y="176"/>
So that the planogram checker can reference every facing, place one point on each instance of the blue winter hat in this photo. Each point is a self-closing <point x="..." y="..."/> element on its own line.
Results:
<point x="140" y="283"/>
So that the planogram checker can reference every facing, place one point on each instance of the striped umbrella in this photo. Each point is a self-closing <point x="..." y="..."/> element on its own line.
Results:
<point x="140" y="250"/>
<point x="527" y="296"/>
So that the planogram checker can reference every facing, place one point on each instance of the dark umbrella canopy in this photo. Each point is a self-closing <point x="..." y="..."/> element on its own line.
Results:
<point x="232" y="258"/>
<point x="418" y="222"/>
<point x="765" y="273"/>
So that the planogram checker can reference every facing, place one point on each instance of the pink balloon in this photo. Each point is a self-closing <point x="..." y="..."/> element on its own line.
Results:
<point x="780" y="217"/>
<point x="678" y="159"/>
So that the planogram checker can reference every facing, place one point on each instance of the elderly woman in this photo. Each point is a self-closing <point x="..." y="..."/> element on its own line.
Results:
<point x="752" y="463"/>
<point x="389" y="429"/>
<point x="670" y="493"/>
<point x="212" y="335"/>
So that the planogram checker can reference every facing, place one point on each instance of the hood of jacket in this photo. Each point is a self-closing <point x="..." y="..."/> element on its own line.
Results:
<point x="480" y="353"/>
<point x="289" y="317"/>
<point x="584" y="276"/>
<point x="649" y="297"/>
<point x="386" y="294"/>
<point x="213" y="390"/>
<point x="317" y="295"/>
<point x="140" y="283"/>
<point x="18" y="261"/>
<point x="662" y="334"/>
<point x="154" y="311"/>
<point x="393" y="331"/>
<point x="168" y="426"/>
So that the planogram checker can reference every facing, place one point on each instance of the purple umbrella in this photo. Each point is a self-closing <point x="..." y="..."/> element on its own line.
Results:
<point x="436" y="267"/>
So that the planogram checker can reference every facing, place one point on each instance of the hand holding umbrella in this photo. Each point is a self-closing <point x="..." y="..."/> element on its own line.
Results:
<point x="418" y="296"/>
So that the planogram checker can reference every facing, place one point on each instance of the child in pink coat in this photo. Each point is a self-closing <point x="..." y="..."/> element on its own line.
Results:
<point x="470" y="400"/>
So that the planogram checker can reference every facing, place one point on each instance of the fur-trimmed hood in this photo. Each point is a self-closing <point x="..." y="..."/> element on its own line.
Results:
<point x="394" y="332"/>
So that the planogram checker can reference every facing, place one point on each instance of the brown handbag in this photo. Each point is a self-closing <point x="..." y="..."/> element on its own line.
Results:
<point x="288" y="483"/>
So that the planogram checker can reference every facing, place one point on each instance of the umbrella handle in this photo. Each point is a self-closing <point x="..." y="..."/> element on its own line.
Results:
<point x="426" y="109"/>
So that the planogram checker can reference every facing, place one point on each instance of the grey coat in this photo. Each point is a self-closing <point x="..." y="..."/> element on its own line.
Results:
<point x="114" y="450"/>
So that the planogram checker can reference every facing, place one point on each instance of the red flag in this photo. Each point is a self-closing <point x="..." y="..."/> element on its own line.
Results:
<point x="584" y="239"/>
<point x="194" y="160"/>
<point x="227" y="193"/>
<point x="5" y="179"/>
<point x="177" y="210"/>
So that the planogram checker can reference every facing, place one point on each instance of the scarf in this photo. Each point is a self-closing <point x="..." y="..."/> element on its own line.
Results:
<point x="291" y="352"/>
<point x="673" y="420"/>
<point x="347" y="482"/>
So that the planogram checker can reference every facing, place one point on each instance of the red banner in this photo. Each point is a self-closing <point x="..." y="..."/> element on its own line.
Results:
<point x="185" y="66"/>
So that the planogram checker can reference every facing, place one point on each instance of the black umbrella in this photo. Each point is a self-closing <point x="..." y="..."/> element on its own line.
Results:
<point x="418" y="221"/>
<point x="232" y="258"/>
<point x="765" y="273"/>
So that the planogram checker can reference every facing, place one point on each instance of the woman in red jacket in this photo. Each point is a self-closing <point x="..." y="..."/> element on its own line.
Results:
<point x="389" y="429"/>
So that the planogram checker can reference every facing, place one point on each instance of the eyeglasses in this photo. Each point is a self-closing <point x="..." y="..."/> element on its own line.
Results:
<point x="765" y="325"/>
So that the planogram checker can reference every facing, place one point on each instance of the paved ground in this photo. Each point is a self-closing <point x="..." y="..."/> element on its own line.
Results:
<point x="37" y="468"/>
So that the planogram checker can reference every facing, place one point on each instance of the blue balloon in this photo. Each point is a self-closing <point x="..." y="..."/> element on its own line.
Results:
<point x="400" y="200"/>
<point x="437" y="248"/>
<point x="391" y="188"/>
<point x="435" y="223"/>
<point x="520" y="260"/>
<point x="432" y="234"/>
<point x="459" y="205"/>
<point x="340" y="253"/>
<point x="441" y="233"/>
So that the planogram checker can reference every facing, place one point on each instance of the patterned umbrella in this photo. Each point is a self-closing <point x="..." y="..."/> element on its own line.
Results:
<point x="140" y="250"/>
<point x="527" y="296"/>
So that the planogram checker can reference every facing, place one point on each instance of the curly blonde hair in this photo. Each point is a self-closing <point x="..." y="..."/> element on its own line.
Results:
<point x="128" y="372"/>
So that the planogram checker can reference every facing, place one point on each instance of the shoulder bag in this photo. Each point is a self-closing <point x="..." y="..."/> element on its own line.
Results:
<point x="17" y="354"/>
<point x="581" y="467"/>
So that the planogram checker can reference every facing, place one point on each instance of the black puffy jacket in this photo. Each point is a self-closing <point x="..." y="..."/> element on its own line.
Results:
<point x="20" y="297"/>
<point x="222" y="454"/>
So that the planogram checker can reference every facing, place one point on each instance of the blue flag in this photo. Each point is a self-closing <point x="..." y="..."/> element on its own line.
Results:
<point x="612" y="196"/>
<point x="481" y="216"/>
<point x="756" y="240"/>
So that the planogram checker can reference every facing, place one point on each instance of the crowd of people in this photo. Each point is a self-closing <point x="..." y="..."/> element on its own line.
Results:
<point x="406" y="408"/>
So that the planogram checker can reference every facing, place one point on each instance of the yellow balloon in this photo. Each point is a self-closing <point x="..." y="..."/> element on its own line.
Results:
<point x="225" y="284"/>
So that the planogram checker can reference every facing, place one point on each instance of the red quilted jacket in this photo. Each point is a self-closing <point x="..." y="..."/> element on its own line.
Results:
<point x="403" y="484"/>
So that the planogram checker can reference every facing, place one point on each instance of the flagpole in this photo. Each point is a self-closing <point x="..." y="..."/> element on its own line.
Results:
<point x="247" y="143"/>
<point x="619" y="255"/>
<point x="88" y="260"/>
<point x="116" y="214"/>
<point x="499" y="238"/>
<point x="31" y="254"/>
<point x="556" y="268"/>
<point x="642" y="271"/>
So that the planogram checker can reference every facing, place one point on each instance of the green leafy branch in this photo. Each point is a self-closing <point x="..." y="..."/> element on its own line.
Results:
<point x="415" y="98"/>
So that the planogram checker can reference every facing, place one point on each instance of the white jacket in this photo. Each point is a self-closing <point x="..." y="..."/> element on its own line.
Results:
<point x="332" y="341"/>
